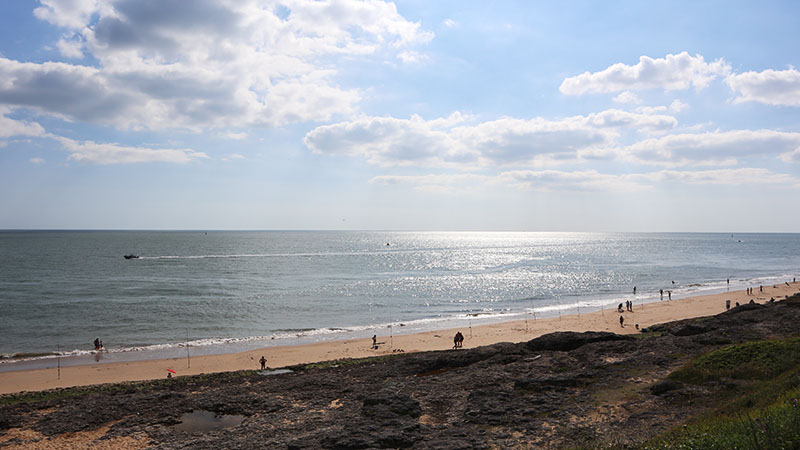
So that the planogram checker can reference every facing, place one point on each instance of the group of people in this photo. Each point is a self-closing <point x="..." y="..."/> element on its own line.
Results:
<point x="628" y="306"/>
<point x="669" y="294"/>
<point x="458" y="340"/>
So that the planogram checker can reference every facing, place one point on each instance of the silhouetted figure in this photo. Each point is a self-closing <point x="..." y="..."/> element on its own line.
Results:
<point x="374" y="341"/>
<point x="458" y="340"/>
<point x="263" y="362"/>
<point x="669" y="295"/>
<point x="97" y="343"/>
<point x="634" y="290"/>
<point x="727" y="305"/>
<point x="621" y="321"/>
<point x="619" y="307"/>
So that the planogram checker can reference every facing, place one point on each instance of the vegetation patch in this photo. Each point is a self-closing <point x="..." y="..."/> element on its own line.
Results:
<point x="746" y="361"/>
<point x="776" y="426"/>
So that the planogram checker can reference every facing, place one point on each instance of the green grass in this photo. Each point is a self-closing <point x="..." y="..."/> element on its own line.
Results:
<point x="755" y="360"/>
<point x="773" y="427"/>
<point x="760" y="412"/>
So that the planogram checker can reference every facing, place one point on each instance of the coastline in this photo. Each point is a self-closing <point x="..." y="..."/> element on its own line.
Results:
<point x="644" y="314"/>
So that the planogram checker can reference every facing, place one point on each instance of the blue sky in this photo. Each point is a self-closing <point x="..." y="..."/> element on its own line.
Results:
<point x="419" y="115"/>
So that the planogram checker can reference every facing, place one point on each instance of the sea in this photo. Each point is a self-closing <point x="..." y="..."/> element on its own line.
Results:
<point x="210" y="292"/>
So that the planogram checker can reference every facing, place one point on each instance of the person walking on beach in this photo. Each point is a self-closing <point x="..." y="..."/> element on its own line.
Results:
<point x="621" y="321"/>
<point x="374" y="341"/>
<point x="263" y="362"/>
<point x="661" y="291"/>
<point x="669" y="295"/>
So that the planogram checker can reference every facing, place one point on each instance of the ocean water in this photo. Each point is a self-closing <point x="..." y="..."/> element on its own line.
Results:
<point x="222" y="291"/>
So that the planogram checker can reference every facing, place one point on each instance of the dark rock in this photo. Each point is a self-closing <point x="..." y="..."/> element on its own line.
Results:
<point x="565" y="341"/>
<point x="690" y="329"/>
<point x="746" y="307"/>
<point x="664" y="386"/>
<point x="389" y="405"/>
<point x="538" y="384"/>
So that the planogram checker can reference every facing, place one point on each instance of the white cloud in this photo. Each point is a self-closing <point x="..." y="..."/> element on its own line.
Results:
<point x="713" y="148"/>
<point x="67" y="13"/>
<point x="446" y="183"/>
<point x="588" y="180"/>
<point x="791" y="157"/>
<point x="233" y="157"/>
<point x="555" y="180"/>
<point x="411" y="57"/>
<point x="217" y="64"/>
<point x="729" y="177"/>
<point x="677" y="106"/>
<point x="449" y="23"/>
<point x="11" y="127"/>
<point x="627" y="97"/>
<point x="37" y="160"/>
<point x="450" y="142"/>
<point x="70" y="46"/>
<point x="772" y="87"/>
<point x="673" y="72"/>
<point x="98" y="153"/>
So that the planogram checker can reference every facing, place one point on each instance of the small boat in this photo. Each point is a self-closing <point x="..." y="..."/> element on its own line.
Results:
<point x="131" y="256"/>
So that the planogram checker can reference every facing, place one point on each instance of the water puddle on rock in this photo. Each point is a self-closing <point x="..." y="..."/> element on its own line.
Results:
<point x="273" y="372"/>
<point x="205" y="421"/>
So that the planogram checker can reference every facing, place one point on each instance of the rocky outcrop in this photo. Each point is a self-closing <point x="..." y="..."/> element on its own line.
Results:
<point x="559" y="390"/>
<point x="569" y="340"/>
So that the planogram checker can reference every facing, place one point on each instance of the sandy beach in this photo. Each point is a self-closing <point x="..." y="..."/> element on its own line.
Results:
<point x="643" y="315"/>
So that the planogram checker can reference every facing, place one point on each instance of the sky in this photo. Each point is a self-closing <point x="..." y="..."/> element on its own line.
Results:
<point x="408" y="115"/>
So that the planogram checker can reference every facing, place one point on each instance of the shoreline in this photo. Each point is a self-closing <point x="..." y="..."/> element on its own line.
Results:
<point x="643" y="314"/>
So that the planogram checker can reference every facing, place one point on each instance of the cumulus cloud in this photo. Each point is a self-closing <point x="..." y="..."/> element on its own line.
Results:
<point x="70" y="46"/>
<point x="10" y="127"/>
<point x="714" y="148"/>
<point x="791" y="157"/>
<point x="771" y="87"/>
<point x="673" y="72"/>
<point x="99" y="153"/>
<point x="37" y="160"/>
<point x="217" y="64"/>
<point x="627" y="97"/>
<point x="677" y="106"/>
<point x="450" y="142"/>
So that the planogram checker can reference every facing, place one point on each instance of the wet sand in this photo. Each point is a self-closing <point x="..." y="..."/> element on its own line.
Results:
<point x="515" y="331"/>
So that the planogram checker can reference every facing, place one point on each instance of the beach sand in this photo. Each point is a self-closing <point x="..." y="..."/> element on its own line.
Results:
<point x="644" y="315"/>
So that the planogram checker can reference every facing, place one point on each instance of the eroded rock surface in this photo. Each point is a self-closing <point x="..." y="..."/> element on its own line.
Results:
<point x="559" y="390"/>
